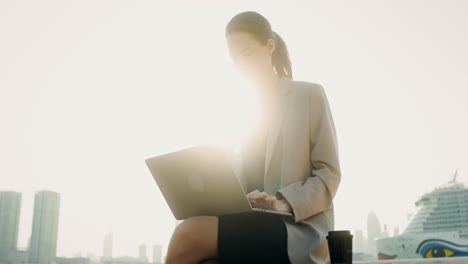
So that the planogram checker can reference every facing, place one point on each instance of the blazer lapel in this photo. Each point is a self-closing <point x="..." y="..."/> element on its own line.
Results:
<point x="277" y="120"/>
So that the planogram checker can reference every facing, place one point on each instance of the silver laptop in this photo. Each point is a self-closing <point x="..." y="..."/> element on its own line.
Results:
<point x="200" y="181"/>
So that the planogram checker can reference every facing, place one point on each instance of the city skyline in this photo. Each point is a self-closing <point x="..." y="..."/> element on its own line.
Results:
<point x="88" y="90"/>
<point x="42" y="243"/>
<point x="10" y="201"/>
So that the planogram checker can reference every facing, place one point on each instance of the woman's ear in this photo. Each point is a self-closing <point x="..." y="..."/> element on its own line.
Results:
<point x="271" y="46"/>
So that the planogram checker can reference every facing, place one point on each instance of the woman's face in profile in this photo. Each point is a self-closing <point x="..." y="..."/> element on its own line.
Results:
<point x="252" y="59"/>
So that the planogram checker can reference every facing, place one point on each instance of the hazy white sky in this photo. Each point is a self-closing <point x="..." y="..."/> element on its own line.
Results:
<point x="89" y="89"/>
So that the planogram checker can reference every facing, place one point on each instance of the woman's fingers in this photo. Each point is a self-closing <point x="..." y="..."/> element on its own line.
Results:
<point x="259" y="195"/>
<point x="263" y="200"/>
<point x="249" y="195"/>
<point x="273" y="202"/>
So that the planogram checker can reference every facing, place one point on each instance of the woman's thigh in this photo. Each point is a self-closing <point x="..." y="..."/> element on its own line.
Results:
<point x="196" y="238"/>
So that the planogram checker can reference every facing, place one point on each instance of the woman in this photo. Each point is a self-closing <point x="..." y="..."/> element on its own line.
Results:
<point x="290" y="164"/>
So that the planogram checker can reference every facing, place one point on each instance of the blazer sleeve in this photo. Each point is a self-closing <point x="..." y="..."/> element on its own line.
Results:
<point x="316" y="192"/>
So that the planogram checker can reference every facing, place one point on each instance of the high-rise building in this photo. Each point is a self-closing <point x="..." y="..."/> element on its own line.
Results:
<point x="385" y="231"/>
<point x="108" y="240"/>
<point x="10" y="207"/>
<point x="157" y="254"/>
<point x="43" y="241"/>
<point x="373" y="231"/>
<point x="142" y="253"/>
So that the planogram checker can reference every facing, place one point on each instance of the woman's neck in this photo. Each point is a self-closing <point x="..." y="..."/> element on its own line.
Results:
<point x="267" y="86"/>
<point x="267" y="89"/>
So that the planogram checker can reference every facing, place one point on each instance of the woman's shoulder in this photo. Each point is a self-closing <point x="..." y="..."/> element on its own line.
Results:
<point x="312" y="89"/>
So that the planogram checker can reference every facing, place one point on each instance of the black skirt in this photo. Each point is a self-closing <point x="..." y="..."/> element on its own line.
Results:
<point x="252" y="237"/>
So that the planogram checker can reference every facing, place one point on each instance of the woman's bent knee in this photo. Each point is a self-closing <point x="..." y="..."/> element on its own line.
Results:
<point x="197" y="229"/>
<point x="194" y="239"/>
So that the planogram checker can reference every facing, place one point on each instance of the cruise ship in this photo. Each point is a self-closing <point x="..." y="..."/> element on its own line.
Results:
<point x="439" y="228"/>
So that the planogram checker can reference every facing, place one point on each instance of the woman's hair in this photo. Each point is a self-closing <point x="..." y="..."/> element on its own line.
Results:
<point x="258" y="26"/>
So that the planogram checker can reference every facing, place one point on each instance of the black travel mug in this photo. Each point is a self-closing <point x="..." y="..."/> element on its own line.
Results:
<point x="340" y="246"/>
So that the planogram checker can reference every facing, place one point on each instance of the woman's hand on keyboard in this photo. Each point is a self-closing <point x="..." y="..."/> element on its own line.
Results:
<point x="263" y="200"/>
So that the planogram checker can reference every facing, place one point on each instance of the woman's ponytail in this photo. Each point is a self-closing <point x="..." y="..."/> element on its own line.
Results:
<point x="281" y="61"/>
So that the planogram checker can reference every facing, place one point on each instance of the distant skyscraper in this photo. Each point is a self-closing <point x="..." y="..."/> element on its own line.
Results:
<point x="43" y="241"/>
<point x="108" y="241"/>
<point x="396" y="231"/>
<point x="10" y="207"/>
<point x="373" y="231"/>
<point x="358" y="243"/>
<point x="142" y="253"/>
<point x="384" y="232"/>
<point x="157" y="254"/>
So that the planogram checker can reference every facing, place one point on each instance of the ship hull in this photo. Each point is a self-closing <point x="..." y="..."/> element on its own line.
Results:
<point x="423" y="245"/>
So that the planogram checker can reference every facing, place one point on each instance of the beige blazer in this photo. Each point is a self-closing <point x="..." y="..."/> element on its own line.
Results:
<point x="302" y="166"/>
